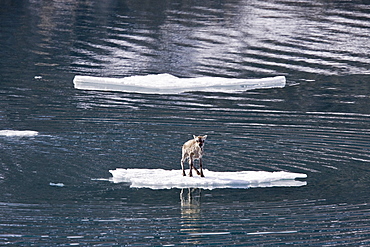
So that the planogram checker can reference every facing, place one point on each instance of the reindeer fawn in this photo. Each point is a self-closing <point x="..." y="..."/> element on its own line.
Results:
<point x="193" y="149"/>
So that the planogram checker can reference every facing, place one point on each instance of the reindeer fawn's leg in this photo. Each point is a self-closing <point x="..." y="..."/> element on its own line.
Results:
<point x="191" y="164"/>
<point x="201" y="167"/>
<point x="182" y="166"/>
<point x="196" y="170"/>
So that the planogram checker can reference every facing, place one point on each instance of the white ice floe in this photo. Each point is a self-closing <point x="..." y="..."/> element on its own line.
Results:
<point x="19" y="133"/>
<point x="169" y="84"/>
<point x="57" y="184"/>
<point x="167" y="179"/>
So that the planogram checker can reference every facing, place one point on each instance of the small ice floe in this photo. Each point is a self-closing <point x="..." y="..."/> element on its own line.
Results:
<point x="19" y="133"/>
<point x="57" y="184"/>
<point x="209" y="233"/>
<point x="265" y="233"/>
<point x="167" y="179"/>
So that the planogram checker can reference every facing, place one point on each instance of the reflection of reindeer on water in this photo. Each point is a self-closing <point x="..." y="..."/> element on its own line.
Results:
<point x="190" y="214"/>
<point x="193" y="149"/>
<point x="188" y="200"/>
<point x="190" y="204"/>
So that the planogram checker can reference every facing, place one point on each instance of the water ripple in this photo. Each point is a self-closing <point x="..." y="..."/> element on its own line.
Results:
<point x="317" y="125"/>
<point x="312" y="222"/>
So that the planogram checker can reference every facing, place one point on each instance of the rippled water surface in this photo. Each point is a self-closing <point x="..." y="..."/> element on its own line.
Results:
<point x="55" y="188"/>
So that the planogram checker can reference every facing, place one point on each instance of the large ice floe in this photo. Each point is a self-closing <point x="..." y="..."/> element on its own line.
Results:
<point x="18" y="133"/>
<point x="167" y="179"/>
<point x="170" y="84"/>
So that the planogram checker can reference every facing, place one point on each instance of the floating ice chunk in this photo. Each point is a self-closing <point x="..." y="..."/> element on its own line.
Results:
<point x="169" y="84"/>
<point x="167" y="179"/>
<point x="57" y="184"/>
<point x="18" y="133"/>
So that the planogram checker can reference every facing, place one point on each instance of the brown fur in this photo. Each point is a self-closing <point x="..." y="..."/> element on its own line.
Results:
<point x="193" y="149"/>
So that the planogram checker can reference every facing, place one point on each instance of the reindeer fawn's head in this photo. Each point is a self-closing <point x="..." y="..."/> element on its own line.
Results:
<point x="200" y="140"/>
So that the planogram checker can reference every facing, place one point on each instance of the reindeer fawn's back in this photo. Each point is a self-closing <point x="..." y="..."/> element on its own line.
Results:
<point x="193" y="149"/>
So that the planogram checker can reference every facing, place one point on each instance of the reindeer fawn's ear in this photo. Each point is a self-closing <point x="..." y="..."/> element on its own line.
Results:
<point x="205" y="137"/>
<point x="194" y="137"/>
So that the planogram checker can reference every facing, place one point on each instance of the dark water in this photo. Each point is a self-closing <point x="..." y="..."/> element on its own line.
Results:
<point x="318" y="125"/>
